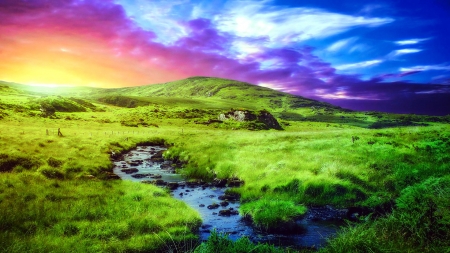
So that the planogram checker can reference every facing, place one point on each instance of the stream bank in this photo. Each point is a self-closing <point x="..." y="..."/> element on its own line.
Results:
<point x="219" y="211"/>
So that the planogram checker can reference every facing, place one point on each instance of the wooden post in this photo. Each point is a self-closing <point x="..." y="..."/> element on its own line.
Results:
<point x="46" y="131"/>
<point x="59" y="132"/>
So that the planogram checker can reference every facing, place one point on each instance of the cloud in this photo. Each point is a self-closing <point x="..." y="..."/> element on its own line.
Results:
<point x="410" y="41"/>
<point x="362" y="64"/>
<point x="340" y="44"/>
<point x="426" y="68"/>
<point x="282" y="26"/>
<point x="399" y="52"/>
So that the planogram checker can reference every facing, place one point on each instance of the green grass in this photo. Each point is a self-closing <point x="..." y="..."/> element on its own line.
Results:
<point x="420" y="223"/>
<point x="270" y="214"/>
<point x="42" y="215"/>
<point x="220" y="243"/>
<point x="313" y="161"/>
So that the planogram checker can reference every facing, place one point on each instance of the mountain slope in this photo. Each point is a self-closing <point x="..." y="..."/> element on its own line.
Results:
<point x="218" y="89"/>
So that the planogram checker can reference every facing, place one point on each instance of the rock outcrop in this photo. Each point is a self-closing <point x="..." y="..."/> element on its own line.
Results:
<point x="263" y="117"/>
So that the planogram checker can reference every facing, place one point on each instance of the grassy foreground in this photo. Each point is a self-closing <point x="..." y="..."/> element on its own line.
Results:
<point x="55" y="194"/>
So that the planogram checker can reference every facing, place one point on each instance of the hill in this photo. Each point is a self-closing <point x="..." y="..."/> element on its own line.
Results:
<point x="203" y="99"/>
<point x="213" y="93"/>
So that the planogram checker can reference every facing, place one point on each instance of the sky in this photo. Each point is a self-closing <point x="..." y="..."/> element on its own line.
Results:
<point x="384" y="55"/>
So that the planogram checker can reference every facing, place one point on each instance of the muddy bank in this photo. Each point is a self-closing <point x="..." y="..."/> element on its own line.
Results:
<point x="218" y="210"/>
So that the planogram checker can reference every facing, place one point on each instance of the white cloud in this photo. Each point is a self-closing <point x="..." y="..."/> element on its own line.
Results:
<point x="426" y="68"/>
<point x="403" y="51"/>
<point x="410" y="41"/>
<point x="359" y="65"/>
<point x="340" y="44"/>
<point x="286" y="25"/>
<point x="160" y="16"/>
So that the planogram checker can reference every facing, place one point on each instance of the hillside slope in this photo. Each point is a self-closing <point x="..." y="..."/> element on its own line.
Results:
<point x="218" y="88"/>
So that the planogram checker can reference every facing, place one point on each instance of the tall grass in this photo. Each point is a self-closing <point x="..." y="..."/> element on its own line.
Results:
<point x="42" y="215"/>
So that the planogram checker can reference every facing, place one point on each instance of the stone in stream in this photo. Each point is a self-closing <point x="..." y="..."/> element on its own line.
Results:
<point x="166" y="166"/>
<point x="160" y="182"/>
<point x="229" y="197"/>
<point x="213" y="206"/>
<point x="155" y="176"/>
<point x="224" y="203"/>
<point x="201" y="205"/>
<point x="172" y="185"/>
<point x="235" y="183"/>
<point x="141" y="175"/>
<point x="130" y="170"/>
<point x="219" y="182"/>
<point x="228" y="212"/>
<point x="134" y="164"/>
<point x="158" y="157"/>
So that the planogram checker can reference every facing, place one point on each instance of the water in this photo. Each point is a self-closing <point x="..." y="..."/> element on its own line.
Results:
<point x="312" y="235"/>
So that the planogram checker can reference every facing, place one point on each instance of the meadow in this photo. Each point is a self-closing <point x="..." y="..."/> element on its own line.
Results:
<point x="56" y="193"/>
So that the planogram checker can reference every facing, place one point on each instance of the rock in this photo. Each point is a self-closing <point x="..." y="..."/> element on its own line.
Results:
<point x="172" y="185"/>
<point x="201" y="205"/>
<point x="160" y="182"/>
<point x="155" y="176"/>
<point x="134" y="164"/>
<point x="268" y="120"/>
<point x="224" y="203"/>
<point x="192" y="183"/>
<point x="235" y="183"/>
<point x="166" y="166"/>
<point x="228" y="212"/>
<point x="229" y="197"/>
<point x="157" y="160"/>
<point x="159" y="154"/>
<point x="130" y="170"/>
<point x="213" y="206"/>
<point x="219" y="182"/>
<point x="140" y="175"/>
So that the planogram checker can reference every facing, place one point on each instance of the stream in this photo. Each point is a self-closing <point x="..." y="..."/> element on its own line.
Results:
<point x="220" y="211"/>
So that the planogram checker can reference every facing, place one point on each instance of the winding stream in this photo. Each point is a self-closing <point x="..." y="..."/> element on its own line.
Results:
<point x="145" y="164"/>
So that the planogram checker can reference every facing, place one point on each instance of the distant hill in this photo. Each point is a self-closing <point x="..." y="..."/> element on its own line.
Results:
<point x="214" y="90"/>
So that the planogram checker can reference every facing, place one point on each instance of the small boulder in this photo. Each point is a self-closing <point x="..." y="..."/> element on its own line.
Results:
<point x="130" y="170"/>
<point x="213" y="206"/>
<point x="172" y="185"/>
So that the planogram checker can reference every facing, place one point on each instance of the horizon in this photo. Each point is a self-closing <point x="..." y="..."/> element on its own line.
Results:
<point x="373" y="56"/>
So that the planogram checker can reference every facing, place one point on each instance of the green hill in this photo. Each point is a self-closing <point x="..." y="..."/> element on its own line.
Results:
<point x="224" y="92"/>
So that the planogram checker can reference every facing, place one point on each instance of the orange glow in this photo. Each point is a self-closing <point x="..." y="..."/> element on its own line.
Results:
<point x="49" y="58"/>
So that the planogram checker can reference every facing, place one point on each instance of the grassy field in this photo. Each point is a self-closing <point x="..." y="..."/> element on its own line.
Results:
<point x="55" y="194"/>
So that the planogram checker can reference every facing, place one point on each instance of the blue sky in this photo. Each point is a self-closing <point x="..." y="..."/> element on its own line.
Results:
<point x="389" y="39"/>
